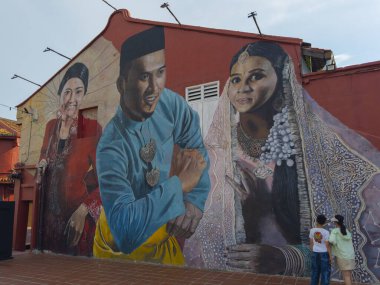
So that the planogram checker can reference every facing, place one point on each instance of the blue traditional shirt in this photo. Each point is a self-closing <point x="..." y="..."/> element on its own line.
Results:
<point x="135" y="210"/>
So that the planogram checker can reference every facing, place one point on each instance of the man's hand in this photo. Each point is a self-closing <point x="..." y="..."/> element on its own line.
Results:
<point x="189" y="166"/>
<point x="185" y="225"/>
<point x="75" y="225"/>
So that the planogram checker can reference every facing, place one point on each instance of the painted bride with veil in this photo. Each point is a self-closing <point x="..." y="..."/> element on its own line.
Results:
<point x="278" y="160"/>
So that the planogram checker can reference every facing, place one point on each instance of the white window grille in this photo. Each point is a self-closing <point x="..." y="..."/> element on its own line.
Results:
<point x="203" y="99"/>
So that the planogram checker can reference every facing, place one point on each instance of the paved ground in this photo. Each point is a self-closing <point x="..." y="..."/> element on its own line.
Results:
<point x="29" y="268"/>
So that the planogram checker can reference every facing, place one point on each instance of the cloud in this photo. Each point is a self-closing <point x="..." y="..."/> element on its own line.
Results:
<point x="341" y="58"/>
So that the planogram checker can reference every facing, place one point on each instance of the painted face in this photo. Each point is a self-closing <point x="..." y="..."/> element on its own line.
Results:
<point x="142" y="86"/>
<point x="252" y="83"/>
<point x="71" y="97"/>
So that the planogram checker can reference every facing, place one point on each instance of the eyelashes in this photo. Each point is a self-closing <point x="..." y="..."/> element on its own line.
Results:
<point x="252" y="78"/>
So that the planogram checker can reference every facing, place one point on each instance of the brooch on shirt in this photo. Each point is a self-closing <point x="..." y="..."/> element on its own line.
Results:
<point x="147" y="154"/>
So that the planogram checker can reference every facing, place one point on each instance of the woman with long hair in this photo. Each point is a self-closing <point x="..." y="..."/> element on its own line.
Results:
<point x="277" y="159"/>
<point x="262" y="186"/>
<point x="265" y="166"/>
<point x="343" y="249"/>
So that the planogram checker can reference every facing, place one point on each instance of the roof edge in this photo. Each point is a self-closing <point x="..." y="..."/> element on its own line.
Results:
<point x="215" y="31"/>
<point x="351" y="69"/>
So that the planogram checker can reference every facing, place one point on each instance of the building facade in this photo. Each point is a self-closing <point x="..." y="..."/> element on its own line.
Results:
<point x="271" y="173"/>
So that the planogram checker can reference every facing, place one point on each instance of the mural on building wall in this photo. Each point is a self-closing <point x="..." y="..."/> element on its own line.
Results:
<point x="149" y="206"/>
<point x="278" y="160"/>
<point x="259" y="184"/>
<point x="72" y="201"/>
<point x="272" y="160"/>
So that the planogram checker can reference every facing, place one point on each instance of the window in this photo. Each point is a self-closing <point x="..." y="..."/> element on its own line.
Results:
<point x="203" y="99"/>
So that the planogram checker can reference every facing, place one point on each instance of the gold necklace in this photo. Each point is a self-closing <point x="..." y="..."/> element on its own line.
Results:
<point x="250" y="146"/>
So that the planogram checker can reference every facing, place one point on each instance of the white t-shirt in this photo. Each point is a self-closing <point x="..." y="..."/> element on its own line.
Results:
<point x="320" y="236"/>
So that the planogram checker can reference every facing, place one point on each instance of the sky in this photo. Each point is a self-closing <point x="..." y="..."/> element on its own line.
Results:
<point x="349" y="28"/>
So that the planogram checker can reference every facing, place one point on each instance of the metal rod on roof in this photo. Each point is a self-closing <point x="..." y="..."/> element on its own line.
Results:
<point x="109" y="5"/>
<point x="15" y="108"/>
<point x="18" y="76"/>
<point x="253" y="15"/>
<point x="166" y="5"/>
<point x="50" y="49"/>
<point x="10" y="108"/>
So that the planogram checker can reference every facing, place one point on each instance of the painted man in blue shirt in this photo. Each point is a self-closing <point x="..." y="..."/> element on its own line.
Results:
<point x="144" y="207"/>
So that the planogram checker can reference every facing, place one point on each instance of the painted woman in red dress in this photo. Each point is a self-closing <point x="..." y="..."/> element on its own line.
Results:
<point x="72" y="201"/>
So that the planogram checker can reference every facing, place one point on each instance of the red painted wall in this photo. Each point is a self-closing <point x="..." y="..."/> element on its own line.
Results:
<point x="352" y="95"/>
<point x="8" y="154"/>
<point x="9" y="151"/>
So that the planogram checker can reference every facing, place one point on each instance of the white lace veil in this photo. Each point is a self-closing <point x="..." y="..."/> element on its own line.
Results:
<point x="217" y="228"/>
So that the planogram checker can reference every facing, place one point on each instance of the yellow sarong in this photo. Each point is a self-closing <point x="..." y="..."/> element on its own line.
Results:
<point x="159" y="248"/>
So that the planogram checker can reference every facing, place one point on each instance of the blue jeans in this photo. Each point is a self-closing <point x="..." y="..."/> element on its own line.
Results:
<point x="320" y="267"/>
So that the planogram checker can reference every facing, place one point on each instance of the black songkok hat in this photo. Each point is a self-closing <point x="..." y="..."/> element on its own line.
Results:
<point x="141" y="44"/>
<point x="77" y="70"/>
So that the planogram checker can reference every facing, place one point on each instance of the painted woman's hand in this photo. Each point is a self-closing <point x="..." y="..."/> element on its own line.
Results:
<point x="75" y="225"/>
<point x="256" y="258"/>
<point x="246" y="185"/>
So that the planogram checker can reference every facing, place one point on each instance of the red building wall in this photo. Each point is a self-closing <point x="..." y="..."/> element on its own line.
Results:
<point x="352" y="95"/>
<point x="8" y="153"/>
